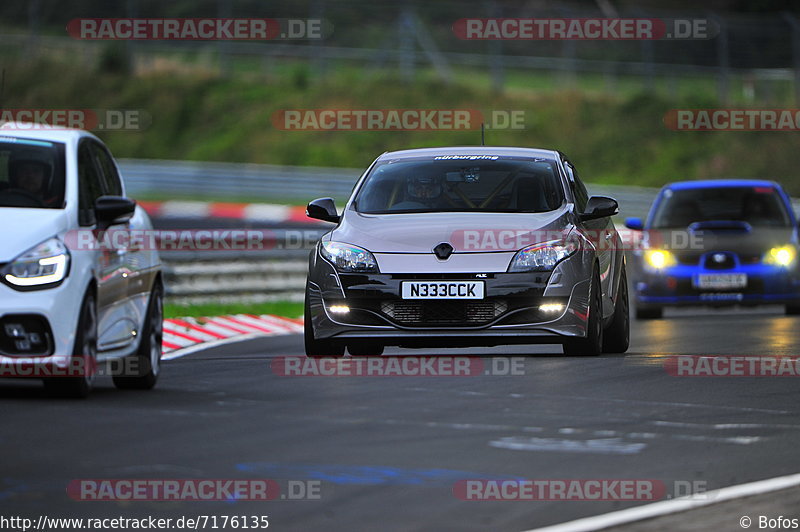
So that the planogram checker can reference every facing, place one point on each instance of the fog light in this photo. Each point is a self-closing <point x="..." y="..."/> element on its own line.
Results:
<point x="23" y="345"/>
<point x="551" y="307"/>
<point x="339" y="309"/>
<point x="15" y="330"/>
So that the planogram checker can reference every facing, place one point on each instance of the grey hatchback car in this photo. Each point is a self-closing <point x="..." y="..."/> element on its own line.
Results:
<point x="467" y="246"/>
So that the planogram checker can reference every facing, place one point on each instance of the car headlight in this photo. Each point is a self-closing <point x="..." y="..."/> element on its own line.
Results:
<point x="42" y="265"/>
<point x="780" y="256"/>
<point x="348" y="258"/>
<point x="542" y="256"/>
<point x="659" y="258"/>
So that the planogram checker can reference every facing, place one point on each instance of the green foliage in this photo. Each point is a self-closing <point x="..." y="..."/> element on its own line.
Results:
<point x="613" y="137"/>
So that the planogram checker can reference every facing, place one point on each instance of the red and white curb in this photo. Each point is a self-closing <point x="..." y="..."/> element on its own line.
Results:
<point x="183" y="336"/>
<point x="254" y="212"/>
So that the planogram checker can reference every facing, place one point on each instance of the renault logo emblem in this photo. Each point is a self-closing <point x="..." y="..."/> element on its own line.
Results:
<point x="443" y="251"/>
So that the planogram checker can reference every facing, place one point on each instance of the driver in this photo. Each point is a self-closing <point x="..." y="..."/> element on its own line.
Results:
<point x="32" y="172"/>
<point x="425" y="190"/>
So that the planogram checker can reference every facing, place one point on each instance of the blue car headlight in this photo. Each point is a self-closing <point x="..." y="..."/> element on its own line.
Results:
<point x="542" y="256"/>
<point x="348" y="258"/>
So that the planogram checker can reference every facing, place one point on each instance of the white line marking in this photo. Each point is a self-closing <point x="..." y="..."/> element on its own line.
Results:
<point x="594" y="446"/>
<point x="681" y="504"/>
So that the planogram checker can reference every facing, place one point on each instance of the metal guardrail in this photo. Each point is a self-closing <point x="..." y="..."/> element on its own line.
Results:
<point x="234" y="179"/>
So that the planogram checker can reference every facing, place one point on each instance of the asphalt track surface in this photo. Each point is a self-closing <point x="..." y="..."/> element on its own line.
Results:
<point x="387" y="451"/>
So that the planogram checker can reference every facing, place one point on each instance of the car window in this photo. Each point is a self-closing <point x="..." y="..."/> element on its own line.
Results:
<point x="89" y="184"/>
<point x="109" y="175"/>
<point x="757" y="206"/>
<point x="31" y="173"/>
<point x="456" y="185"/>
<point x="578" y="188"/>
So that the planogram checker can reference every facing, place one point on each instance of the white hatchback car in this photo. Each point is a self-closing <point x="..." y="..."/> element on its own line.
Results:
<point x="63" y="297"/>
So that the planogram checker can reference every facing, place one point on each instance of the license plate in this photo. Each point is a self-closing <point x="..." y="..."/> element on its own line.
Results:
<point x="720" y="281"/>
<point x="442" y="289"/>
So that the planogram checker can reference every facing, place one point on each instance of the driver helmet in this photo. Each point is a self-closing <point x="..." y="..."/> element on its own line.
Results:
<point x="424" y="188"/>
<point x="24" y="159"/>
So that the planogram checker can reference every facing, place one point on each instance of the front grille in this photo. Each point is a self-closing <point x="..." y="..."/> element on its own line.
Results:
<point x="444" y="312"/>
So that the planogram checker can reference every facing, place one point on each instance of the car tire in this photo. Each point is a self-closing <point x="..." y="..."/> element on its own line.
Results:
<point x="365" y="349"/>
<point x="318" y="348"/>
<point x="592" y="344"/>
<point x="649" y="313"/>
<point x="617" y="336"/>
<point x="793" y="310"/>
<point x="85" y="348"/>
<point x="146" y="361"/>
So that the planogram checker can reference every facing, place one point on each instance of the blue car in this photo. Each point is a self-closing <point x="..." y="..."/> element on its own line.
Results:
<point x="718" y="243"/>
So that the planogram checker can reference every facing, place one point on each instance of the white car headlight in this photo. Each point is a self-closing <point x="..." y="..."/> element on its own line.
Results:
<point x="542" y="256"/>
<point x="349" y="258"/>
<point x="44" y="264"/>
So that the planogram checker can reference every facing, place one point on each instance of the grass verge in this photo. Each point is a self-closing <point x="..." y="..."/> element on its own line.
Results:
<point x="286" y="309"/>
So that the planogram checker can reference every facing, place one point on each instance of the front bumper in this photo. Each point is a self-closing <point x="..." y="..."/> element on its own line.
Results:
<point x="676" y="286"/>
<point x="58" y="308"/>
<point x="509" y="313"/>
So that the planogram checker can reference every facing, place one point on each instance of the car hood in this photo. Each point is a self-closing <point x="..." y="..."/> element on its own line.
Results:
<point x="25" y="228"/>
<point x="466" y="232"/>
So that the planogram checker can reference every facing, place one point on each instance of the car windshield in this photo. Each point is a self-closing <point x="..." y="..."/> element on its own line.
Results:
<point x="31" y="173"/>
<point x="461" y="184"/>
<point x="757" y="206"/>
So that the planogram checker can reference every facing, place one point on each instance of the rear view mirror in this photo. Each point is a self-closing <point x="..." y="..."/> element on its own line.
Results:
<point x="599" y="207"/>
<point x="323" y="209"/>
<point x="110" y="210"/>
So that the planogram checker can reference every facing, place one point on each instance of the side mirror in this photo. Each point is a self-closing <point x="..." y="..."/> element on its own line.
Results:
<point x="323" y="209"/>
<point x="110" y="210"/>
<point x="634" y="223"/>
<point x="599" y="207"/>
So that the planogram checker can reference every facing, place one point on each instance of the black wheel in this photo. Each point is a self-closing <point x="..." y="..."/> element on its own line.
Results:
<point x="649" y="313"/>
<point x="140" y="371"/>
<point x="368" y="348"/>
<point x="617" y="336"/>
<point x="318" y="348"/>
<point x="592" y="344"/>
<point x="85" y="350"/>
<point x="792" y="310"/>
